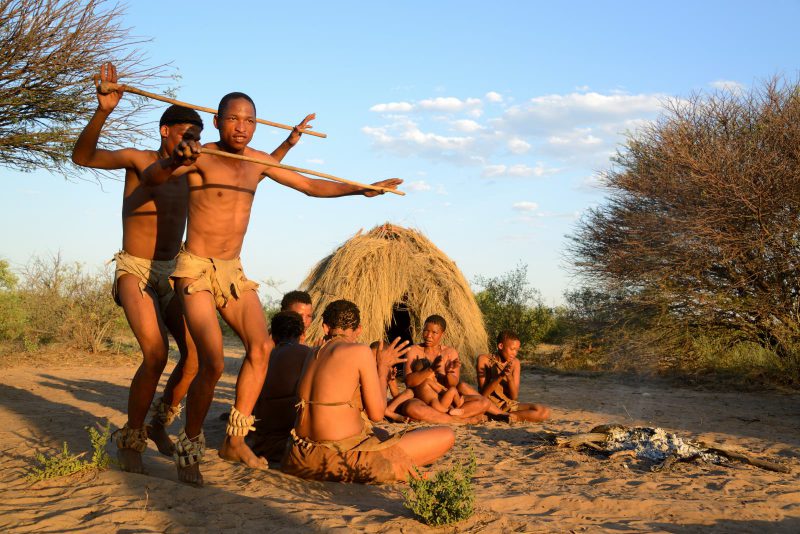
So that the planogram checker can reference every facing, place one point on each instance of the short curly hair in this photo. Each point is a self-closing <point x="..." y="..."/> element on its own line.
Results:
<point x="286" y="326"/>
<point x="437" y="320"/>
<point x="507" y="335"/>
<point x="293" y="297"/>
<point x="341" y="314"/>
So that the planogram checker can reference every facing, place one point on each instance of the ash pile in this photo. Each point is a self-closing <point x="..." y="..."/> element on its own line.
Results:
<point x="661" y="448"/>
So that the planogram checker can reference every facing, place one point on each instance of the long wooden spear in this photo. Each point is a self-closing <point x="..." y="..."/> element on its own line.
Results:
<point x="298" y="169"/>
<point x="109" y="87"/>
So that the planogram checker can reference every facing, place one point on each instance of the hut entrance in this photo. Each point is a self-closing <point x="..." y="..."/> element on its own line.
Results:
<point x="400" y="327"/>
<point x="401" y="324"/>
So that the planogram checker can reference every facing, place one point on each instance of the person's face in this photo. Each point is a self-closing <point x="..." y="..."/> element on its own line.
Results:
<point x="175" y="133"/>
<point x="509" y="349"/>
<point x="432" y="335"/>
<point x="304" y="310"/>
<point x="237" y="124"/>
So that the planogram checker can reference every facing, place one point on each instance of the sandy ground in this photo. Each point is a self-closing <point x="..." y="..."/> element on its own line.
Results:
<point x="521" y="484"/>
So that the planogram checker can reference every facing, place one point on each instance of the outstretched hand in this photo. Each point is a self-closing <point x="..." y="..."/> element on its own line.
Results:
<point x="107" y="101"/>
<point x="391" y="183"/>
<point x="294" y="137"/>
<point x="186" y="152"/>
<point x="392" y="354"/>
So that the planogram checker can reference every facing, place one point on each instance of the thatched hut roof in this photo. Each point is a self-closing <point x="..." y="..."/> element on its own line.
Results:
<point x="392" y="265"/>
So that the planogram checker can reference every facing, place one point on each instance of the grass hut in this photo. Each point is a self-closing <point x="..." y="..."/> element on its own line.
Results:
<point x="397" y="278"/>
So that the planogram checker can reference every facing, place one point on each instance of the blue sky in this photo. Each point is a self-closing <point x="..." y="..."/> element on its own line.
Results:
<point x="499" y="116"/>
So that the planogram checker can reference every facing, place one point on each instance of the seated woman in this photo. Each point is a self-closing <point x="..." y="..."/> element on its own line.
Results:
<point x="341" y="391"/>
<point x="275" y="407"/>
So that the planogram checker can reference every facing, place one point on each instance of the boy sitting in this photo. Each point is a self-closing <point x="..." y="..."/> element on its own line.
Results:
<point x="498" y="380"/>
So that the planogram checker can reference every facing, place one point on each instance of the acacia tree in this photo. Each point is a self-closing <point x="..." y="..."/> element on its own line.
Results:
<point x="702" y="221"/>
<point x="49" y="50"/>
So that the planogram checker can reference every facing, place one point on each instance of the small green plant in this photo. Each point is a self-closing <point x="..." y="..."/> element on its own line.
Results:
<point x="65" y="463"/>
<point x="446" y="498"/>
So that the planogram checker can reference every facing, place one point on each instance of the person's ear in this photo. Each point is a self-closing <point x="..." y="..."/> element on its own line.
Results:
<point x="164" y="130"/>
<point x="500" y="347"/>
<point x="216" y="121"/>
<point x="326" y="329"/>
<point x="358" y="331"/>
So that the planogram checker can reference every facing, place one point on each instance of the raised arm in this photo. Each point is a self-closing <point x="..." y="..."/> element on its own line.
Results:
<point x="374" y="374"/>
<point x="294" y="137"/>
<point x="85" y="151"/>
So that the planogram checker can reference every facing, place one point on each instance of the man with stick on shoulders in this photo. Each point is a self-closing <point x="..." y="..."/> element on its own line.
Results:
<point x="153" y="221"/>
<point x="209" y="275"/>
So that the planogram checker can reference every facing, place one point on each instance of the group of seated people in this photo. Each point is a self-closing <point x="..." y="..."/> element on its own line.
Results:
<point x="316" y="410"/>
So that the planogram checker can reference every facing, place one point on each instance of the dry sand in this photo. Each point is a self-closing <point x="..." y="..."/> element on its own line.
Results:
<point x="521" y="485"/>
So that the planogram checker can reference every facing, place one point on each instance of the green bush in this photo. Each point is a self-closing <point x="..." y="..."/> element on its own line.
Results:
<point x="508" y="303"/>
<point x="446" y="498"/>
<point x="58" y="302"/>
<point x="65" y="463"/>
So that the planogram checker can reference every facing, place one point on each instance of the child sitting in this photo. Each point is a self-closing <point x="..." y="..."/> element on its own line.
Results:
<point x="431" y="392"/>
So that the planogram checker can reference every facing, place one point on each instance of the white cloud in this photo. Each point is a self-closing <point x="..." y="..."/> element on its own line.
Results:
<point x="578" y="136"/>
<point x="397" y="107"/>
<point x="727" y="85"/>
<point x="578" y="108"/>
<point x="493" y="96"/>
<point x="449" y="104"/>
<point x="419" y="185"/>
<point x="518" y="146"/>
<point x="316" y="161"/>
<point x="519" y="170"/>
<point x="525" y="206"/>
<point x="546" y="134"/>
<point x="405" y="138"/>
<point x="467" y="125"/>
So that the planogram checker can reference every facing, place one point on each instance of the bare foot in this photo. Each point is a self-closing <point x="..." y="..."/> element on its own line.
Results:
<point x="159" y="435"/>
<point x="190" y="475"/>
<point x="475" y="419"/>
<point x="130" y="460"/>
<point x="456" y="411"/>
<point x="395" y="417"/>
<point x="234" y="449"/>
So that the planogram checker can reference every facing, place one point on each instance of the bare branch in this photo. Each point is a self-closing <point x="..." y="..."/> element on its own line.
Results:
<point x="49" y="50"/>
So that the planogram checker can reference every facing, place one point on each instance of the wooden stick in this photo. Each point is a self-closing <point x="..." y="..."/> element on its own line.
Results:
<point x="298" y="169"/>
<point x="108" y="87"/>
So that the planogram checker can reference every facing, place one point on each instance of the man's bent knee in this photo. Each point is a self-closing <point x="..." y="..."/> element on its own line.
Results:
<point x="211" y="370"/>
<point x="259" y="353"/>
<point x="154" y="356"/>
